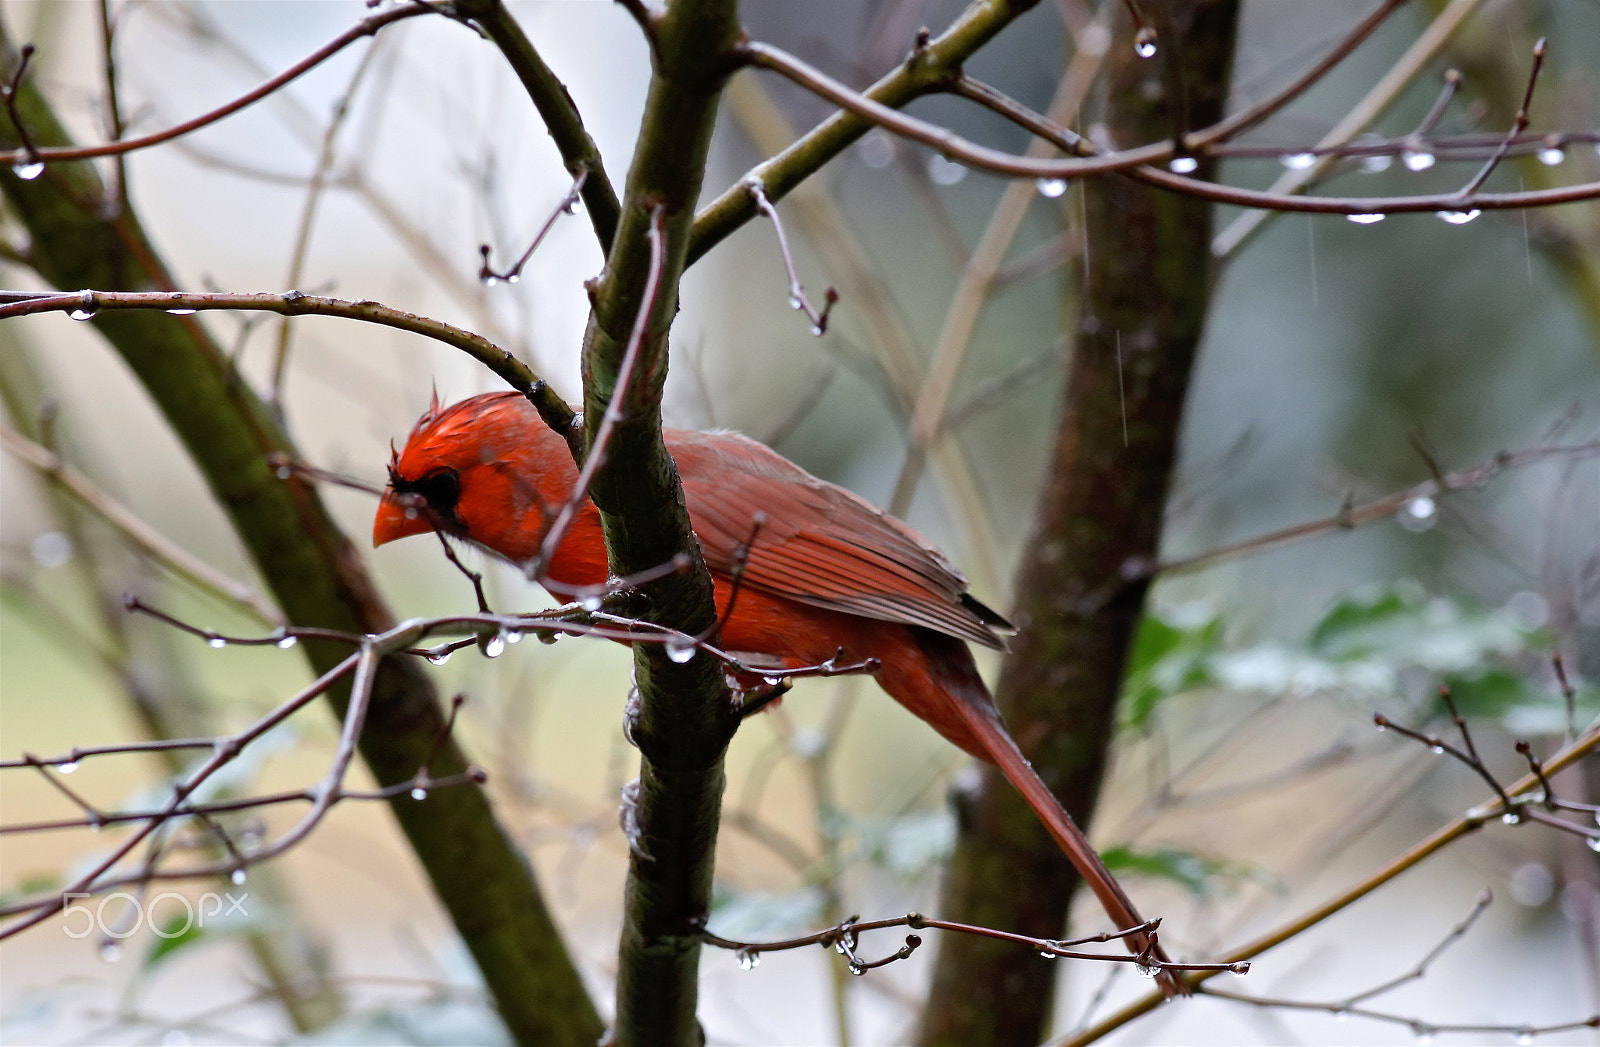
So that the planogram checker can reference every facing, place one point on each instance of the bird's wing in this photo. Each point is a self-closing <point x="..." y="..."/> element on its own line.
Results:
<point x="820" y="544"/>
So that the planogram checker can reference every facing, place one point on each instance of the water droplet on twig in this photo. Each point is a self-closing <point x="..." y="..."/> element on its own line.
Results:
<point x="945" y="172"/>
<point x="1417" y="159"/>
<point x="1419" y="514"/>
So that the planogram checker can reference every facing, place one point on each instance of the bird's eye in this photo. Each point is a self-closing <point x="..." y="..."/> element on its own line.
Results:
<point x="440" y="489"/>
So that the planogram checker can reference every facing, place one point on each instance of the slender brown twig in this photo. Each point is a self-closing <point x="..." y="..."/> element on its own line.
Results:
<point x="1519" y="123"/>
<point x="797" y="293"/>
<point x="1350" y="515"/>
<point x="613" y="413"/>
<point x="366" y="27"/>
<point x="489" y="275"/>
<point x="1137" y="161"/>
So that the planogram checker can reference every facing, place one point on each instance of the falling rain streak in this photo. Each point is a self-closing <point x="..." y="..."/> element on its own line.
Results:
<point x="1527" y="239"/>
<point x="1311" y="247"/>
<point x="1122" y="396"/>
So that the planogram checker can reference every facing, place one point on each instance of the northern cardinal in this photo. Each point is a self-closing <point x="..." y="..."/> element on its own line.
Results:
<point x="827" y="571"/>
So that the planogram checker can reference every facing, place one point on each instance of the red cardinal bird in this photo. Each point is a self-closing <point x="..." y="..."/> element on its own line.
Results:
<point x="828" y="571"/>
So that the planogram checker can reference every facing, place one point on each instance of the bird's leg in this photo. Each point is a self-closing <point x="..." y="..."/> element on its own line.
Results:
<point x="630" y="714"/>
<point x="754" y="701"/>
<point x="628" y="816"/>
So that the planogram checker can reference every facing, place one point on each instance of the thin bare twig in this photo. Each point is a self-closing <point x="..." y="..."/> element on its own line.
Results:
<point x="1519" y="123"/>
<point x="489" y="276"/>
<point x="797" y="293"/>
<point x="1371" y="106"/>
<point x="143" y="537"/>
<point x="613" y="413"/>
<point x="1350" y="516"/>
<point x="366" y="27"/>
<point x="1436" y="842"/>
<point x="308" y="211"/>
<point x="26" y="162"/>
<point x="845" y="937"/>
<point x="87" y="303"/>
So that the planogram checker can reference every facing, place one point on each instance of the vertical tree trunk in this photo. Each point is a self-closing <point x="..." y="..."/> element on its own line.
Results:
<point x="684" y="717"/>
<point x="1142" y="308"/>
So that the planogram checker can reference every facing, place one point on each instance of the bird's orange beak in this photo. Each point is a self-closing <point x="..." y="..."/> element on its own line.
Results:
<point x="397" y="520"/>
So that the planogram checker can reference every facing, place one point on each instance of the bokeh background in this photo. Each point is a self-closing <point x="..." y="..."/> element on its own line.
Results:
<point x="1332" y="348"/>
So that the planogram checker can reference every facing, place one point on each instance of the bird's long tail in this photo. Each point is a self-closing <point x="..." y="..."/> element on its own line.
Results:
<point x="951" y="670"/>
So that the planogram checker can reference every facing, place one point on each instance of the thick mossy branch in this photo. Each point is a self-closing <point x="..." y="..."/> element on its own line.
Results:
<point x="929" y="70"/>
<point x="316" y="576"/>
<point x="1143" y="308"/>
<point x="685" y="718"/>
<point x="561" y="117"/>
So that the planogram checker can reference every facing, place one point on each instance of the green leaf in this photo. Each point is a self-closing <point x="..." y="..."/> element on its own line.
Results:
<point x="1351" y="626"/>
<point x="1402" y="625"/>
<point x="1201" y="876"/>
<point x="1167" y="659"/>
<point x="1492" y="692"/>
<point x="178" y="931"/>
<point x="31" y="885"/>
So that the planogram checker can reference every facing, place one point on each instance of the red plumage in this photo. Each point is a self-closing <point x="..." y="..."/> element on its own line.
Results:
<point x="827" y="571"/>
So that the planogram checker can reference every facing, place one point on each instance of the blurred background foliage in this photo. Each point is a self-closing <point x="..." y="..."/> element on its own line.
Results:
<point x="1250" y="780"/>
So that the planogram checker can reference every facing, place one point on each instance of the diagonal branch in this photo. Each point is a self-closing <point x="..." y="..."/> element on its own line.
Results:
<point x="925" y="72"/>
<point x="1442" y="838"/>
<point x="365" y="28"/>
<point x="147" y="539"/>
<point x="561" y="117"/>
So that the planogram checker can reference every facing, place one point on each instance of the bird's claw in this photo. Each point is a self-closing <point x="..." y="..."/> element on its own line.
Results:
<point x="631" y="711"/>
<point x="628" y="817"/>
